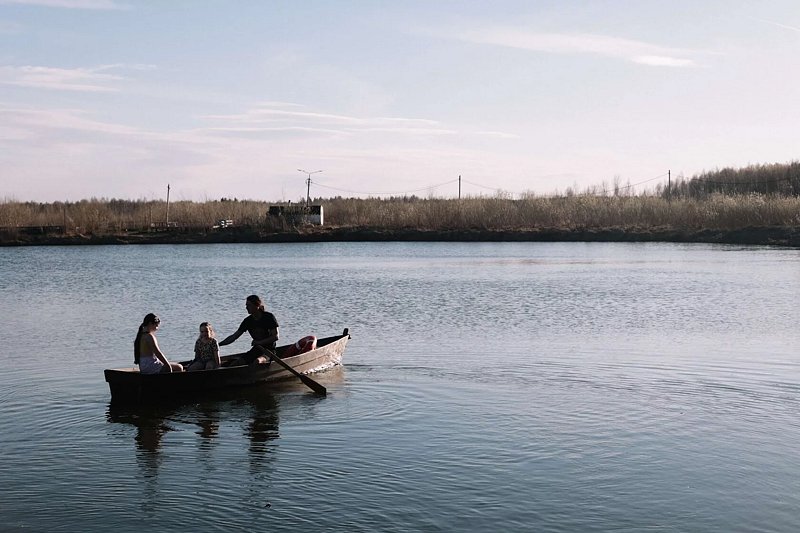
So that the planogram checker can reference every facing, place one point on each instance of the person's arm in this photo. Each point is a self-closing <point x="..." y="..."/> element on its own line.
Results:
<point x="232" y="337"/>
<point x="266" y="341"/>
<point x="159" y="355"/>
<point x="216" y="352"/>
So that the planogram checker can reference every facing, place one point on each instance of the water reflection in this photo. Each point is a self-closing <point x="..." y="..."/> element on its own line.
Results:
<point x="151" y="424"/>
<point x="257" y="408"/>
<point x="208" y="423"/>
<point x="261" y="429"/>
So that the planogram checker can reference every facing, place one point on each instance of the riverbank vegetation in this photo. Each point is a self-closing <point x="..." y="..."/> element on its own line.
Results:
<point x="726" y="199"/>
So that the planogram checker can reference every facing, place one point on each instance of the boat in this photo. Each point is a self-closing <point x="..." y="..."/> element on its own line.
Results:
<point x="128" y="384"/>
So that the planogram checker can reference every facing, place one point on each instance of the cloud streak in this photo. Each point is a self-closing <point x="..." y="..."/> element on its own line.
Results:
<point x="40" y="122"/>
<point x="779" y="25"/>
<point x="271" y="113"/>
<point x="583" y="43"/>
<point x="280" y="116"/>
<point x="93" y="79"/>
<point x="69" y="4"/>
<point x="84" y="80"/>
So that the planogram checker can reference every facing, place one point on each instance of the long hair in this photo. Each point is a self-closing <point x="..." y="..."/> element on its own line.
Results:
<point x="255" y="300"/>
<point x="211" y="334"/>
<point x="149" y="318"/>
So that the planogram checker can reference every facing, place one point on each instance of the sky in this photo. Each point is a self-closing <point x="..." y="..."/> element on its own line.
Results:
<point x="227" y="98"/>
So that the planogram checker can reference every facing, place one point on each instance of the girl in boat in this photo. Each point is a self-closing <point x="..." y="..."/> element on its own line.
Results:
<point x="206" y="349"/>
<point x="146" y="352"/>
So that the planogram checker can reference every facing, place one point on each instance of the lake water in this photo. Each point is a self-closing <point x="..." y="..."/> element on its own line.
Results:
<point x="487" y="387"/>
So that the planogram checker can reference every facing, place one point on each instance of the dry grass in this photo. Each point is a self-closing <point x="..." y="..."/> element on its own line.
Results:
<point x="715" y="211"/>
<point x="100" y="216"/>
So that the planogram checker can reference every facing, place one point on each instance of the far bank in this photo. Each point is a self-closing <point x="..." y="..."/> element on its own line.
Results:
<point x="754" y="235"/>
<point x="760" y="219"/>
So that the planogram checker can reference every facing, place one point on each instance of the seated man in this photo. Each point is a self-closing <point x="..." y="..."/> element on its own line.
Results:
<point x="263" y="328"/>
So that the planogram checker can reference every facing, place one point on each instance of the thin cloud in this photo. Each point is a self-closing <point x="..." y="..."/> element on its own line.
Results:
<point x="269" y="119"/>
<point x="661" y="61"/>
<point x="41" y="120"/>
<point x="82" y="80"/>
<point x="412" y="131"/>
<point x="70" y="4"/>
<point x="94" y="79"/>
<point x="129" y="66"/>
<point x="302" y="115"/>
<point x="583" y="43"/>
<point x="497" y="134"/>
<point x="266" y="115"/>
<point x="779" y="25"/>
<point x="273" y="103"/>
<point x="271" y="132"/>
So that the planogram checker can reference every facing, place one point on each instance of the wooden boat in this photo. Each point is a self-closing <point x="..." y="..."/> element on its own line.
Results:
<point x="130" y="384"/>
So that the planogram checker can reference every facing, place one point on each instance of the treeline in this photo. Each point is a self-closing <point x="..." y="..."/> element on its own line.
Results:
<point x="781" y="179"/>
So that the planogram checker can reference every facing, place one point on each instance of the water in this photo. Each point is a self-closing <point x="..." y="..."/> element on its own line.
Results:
<point x="487" y="387"/>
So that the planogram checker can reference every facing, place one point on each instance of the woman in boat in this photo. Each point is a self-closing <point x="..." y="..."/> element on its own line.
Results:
<point x="263" y="328"/>
<point x="146" y="352"/>
<point x="206" y="349"/>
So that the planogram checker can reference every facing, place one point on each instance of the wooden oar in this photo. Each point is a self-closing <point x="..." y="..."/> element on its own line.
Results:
<point x="316" y="387"/>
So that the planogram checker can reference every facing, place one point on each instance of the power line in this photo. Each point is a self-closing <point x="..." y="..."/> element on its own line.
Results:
<point x="648" y="180"/>
<point x="604" y="191"/>
<point x="318" y="184"/>
<point x="631" y="185"/>
<point x="482" y="186"/>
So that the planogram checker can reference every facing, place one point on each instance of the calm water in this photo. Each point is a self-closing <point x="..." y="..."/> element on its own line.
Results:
<point x="487" y="387"/>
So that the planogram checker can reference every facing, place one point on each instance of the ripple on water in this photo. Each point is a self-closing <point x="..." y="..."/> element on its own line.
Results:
<point x="497" y="386"/>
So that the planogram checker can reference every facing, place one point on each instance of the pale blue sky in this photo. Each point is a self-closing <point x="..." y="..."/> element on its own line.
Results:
<point x="115" y="98"/>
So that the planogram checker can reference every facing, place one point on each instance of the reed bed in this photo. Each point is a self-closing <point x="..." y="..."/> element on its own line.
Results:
<point x="714" y="211"/>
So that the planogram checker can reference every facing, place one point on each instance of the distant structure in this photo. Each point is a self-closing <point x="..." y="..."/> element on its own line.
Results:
<point x="163" y="225"/>
<point x="297" y="214"/>
<point x="226" y="223"/>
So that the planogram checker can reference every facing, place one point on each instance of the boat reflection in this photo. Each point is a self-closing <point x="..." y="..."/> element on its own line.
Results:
<point x="151" y="423"/>
<point x="252" y="413"/>
<point x="257" y="408"/>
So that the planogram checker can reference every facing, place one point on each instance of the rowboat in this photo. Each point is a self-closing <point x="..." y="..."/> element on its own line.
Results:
<point x="128" y="384"/>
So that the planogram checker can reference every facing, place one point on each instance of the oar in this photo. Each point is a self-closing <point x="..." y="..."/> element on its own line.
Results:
<point x="316" y="387"/>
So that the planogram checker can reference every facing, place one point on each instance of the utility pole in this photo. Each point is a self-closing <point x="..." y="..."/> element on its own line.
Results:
<point x="308" y="183"/>
<point x="459" y="186"/>
<point x="167" y="222"/>
<point x="669" y="186"/>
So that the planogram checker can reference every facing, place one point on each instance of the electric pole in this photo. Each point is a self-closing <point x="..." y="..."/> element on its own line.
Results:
<point x="669" y="185"/>
<point x="308" y="183"/>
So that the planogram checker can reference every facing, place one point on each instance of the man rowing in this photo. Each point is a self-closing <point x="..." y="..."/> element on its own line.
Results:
<point x="263" y="328"/>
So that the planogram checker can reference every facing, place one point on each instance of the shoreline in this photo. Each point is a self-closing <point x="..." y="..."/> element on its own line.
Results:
<point x="764" y="235"/>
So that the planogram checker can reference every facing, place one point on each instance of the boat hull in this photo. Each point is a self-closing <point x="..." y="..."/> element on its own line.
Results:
<point x="128" y="384"/>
